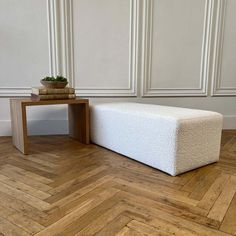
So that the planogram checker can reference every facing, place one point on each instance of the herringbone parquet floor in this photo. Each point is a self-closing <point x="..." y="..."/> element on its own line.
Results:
<point x="66" y="188"/>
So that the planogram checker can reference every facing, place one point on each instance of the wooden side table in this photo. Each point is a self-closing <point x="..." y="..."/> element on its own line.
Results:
<point x="78" y="116"/>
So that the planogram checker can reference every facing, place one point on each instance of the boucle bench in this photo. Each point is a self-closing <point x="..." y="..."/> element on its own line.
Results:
<point x="171" y="139"/>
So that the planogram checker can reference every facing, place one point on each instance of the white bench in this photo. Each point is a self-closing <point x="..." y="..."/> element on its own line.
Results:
<point x="171" y="139"/>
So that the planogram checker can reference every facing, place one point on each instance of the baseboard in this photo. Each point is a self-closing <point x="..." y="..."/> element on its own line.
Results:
<point x="37" y="127"/>
<point x="49" y="127"/>
<point x="229" y="122"/>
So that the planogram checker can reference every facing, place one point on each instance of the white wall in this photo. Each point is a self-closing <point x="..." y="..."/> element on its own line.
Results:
<point x="169" y="52"/>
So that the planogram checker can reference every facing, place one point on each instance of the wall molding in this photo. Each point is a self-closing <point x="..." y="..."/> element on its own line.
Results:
<point x="54" y="63"/>
<point x="62" y="49"/>
<point x="15" y="91"/>
<point x="216" y="88"/>
<point x="147" y="90"/>
<point x="61" y="57"/>
<point x="61" y="54"/>
<point x="131" y="90"/>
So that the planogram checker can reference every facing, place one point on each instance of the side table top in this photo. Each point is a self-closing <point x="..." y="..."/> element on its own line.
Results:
<point x="30" y="102"/>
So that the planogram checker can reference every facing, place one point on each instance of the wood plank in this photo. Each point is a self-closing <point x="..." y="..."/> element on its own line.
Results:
<point x="78" y="115"/>
<point x="78" y="193"/>
<point x="222" y="203"/>
<point x="24" y="188"/>
<point x="25" y="197"/>
<point x="20" y="220"/>
<point x="126" y="231"/>
<point x="10" y="202"/>
<point x="144" y="228"/>
<point x="174" y="211"/>
<point x="7" y="228"/>
<point x="213" y="192"/>
<point x="162" y="191"/>
<point x="155" y="213"/>
<point x="29" y="102"/>
<point x="202" y="186"/>
<point x="76" y="179"/>
<point x="229" y="223"/>
<point x="114" y="226"/>
<point x="19" y="125"/>
<point x="72" y="218"/>
<point x="200" y="175"/>
<point x="28" y="174"/>
<point x="25" y="179"/>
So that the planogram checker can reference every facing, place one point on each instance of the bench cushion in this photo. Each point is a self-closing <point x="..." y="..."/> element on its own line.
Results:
<point x="171" y="139"/>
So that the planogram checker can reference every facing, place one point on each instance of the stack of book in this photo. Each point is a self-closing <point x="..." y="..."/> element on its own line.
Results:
<point x="43" y="93"/>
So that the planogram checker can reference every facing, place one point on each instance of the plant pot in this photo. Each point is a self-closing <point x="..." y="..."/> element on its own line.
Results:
<point x="54" y="84"/>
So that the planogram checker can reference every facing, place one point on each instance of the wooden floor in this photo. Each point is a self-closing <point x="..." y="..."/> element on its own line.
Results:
<point x="66" y="188"/>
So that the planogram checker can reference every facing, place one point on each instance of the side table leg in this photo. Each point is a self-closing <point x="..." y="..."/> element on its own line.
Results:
<point x="78" y="115"/>
<point x="19" y="126"/>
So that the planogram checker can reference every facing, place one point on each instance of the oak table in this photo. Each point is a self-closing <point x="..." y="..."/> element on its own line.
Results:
<point x="78" y="116"/>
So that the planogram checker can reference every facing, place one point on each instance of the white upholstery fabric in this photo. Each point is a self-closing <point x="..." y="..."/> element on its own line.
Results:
<point x="172" y="139"/>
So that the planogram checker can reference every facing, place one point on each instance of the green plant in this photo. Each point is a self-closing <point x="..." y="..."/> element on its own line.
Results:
<point x="48" y="78"/>
<point x="53" y="79"/>
<point x="61" y="79"/>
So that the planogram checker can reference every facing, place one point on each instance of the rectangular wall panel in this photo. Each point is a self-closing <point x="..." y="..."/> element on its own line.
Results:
<point x="104" y="43"/>
<point x="23" y="44"/>
<point x="176" y="47"/>
<point x="224" y="74"/>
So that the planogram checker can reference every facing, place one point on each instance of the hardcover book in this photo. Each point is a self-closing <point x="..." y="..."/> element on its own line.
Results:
<point x="52" y="96"/>
<point x="46" y="91"/>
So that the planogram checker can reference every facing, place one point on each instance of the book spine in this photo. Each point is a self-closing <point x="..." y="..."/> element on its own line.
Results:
<point x="46" y="91"/>
<point x="52" y="96"/>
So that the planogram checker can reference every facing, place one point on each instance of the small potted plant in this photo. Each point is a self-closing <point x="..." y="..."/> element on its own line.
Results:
<point x="52" y="82"/>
